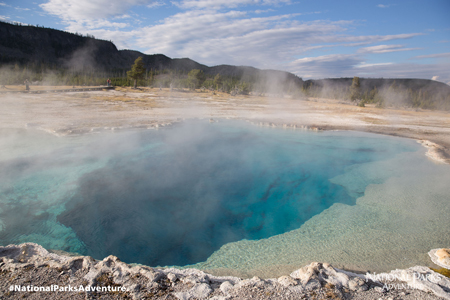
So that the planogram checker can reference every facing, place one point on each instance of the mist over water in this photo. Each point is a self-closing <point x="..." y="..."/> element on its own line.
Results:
<point x="175" y="196"/>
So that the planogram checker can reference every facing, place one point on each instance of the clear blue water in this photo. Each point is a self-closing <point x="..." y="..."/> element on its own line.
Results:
<point x="175" y="196"/>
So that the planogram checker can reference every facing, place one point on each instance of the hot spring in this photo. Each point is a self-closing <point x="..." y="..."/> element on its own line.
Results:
<point x="226" y="197"/>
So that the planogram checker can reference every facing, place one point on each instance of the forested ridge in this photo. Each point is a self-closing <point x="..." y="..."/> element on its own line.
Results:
<point x="49" y="56"/>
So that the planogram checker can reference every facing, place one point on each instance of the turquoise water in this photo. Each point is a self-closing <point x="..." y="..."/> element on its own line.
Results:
<point x="196" y="193"/>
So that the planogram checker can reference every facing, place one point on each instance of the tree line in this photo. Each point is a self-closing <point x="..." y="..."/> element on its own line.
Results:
<point x="393" y="95"/>
<point x="138" y="75"/>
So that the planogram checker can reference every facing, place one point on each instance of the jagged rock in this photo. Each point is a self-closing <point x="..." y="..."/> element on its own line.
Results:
<point x="307" y="273"/>
<point x="92" y="275"/>
<point x="287" y="281"/>
<point x="142" y="281"/>
<point x="357" y="284"/>
<point x="78" y="263"/>
<point x="172" y="277"/>
<point x="199" y="291"/>
<point x="225" y="287"/>
<point x="218" y="298"/>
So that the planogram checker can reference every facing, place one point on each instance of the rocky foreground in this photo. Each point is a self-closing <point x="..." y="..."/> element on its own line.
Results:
<point x="29" y="271"/>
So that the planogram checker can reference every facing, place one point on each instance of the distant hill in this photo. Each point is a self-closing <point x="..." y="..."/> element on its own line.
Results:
<point x="28" y="49"/>
<point x="367" y="84"/>
<point x="30" y="45"/>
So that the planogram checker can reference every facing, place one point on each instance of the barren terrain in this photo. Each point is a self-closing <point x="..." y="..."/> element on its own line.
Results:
<point x="79" y="112"/>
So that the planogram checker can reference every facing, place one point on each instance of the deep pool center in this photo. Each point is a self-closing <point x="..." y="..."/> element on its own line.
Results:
<point x="227" y="197"/>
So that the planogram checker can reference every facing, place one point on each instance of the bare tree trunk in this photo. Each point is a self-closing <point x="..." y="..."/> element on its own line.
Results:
<point x="135" y="83"/>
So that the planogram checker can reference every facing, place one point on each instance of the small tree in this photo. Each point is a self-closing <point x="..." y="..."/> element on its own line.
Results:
<point x="218" y="81"/>
<point x="196" y="78"/>
<point x="137" y="70"/>
<point x="355" y="89"/>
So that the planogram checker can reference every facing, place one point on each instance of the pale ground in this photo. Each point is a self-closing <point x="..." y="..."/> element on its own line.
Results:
<point x="78" y="112"/>
<point x="73" y="113"/>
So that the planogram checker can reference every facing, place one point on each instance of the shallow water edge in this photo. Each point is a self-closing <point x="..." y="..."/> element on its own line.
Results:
<point x="383" y="221"/>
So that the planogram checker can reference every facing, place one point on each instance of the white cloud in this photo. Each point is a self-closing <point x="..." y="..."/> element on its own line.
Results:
<point x="410" y="70"/>
<point x="364" y="65"/>
<point x="383" y="5"/>
<point x="333" y="65"/>
<point x="259" y="11"/>
<point x="156" y="4"/>
<point x="125" y="16"/>
<point x="348" y="65"/>
<point x="438" y="55"/>
<point x="370" y="39"/>
<point x="85" y="16"/>
<point x="211" y="36"/>
<point x="385" y="49"/>
<point x="208" y="4"/>
<point x="89" y="26"/>
<point x="4" y="4"/>
<point x="88" y="10"/>
<point x="234" y="38"/>
<point x="434" y="78"/>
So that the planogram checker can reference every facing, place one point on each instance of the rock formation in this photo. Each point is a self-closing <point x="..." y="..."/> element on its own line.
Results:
<point x="28" y="270"/>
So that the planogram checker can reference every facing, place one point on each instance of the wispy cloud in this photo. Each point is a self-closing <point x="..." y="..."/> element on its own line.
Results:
<point x="87" y="15"/>
<point x="156" y="4"/>
<point x="125" y="16"/>
<point x="215" y="4"/>
<point x="88" y="10"/>
<point x="385" y="49"/>
<point x="224" y="32"/>
<point x="232" y="37"/>
<point x="383" y="5"/>
<point x="259" y="11"/>
<point x="364" y="65"/>
<point x="333" y="65"/>
<point x="437" y="55"/>
<point x="410" y="70"/>
<point x="340" y="65"/>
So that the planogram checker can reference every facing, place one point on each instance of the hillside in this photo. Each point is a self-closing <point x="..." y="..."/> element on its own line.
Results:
<point x="49" y="55"/>
<point x="34" y="46"/>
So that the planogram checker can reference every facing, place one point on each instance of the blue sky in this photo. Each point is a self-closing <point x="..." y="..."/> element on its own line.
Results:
<point x="313" y="39"/>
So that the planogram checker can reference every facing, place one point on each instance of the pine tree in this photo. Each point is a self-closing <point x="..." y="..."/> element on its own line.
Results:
<point x="137" y="70"/>
<point x="196" y="78"/>
<point x="218" y="81"/>
<point x="355" y="89"/>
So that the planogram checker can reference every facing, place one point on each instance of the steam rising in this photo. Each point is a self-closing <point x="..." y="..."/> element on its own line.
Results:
<point x="174" y="196"/>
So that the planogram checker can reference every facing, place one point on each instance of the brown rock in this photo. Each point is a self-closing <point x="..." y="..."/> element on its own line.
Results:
<point x="441" y="257"/>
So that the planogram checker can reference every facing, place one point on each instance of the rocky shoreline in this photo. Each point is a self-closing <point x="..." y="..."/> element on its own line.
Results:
<point x="30" y="271"/>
